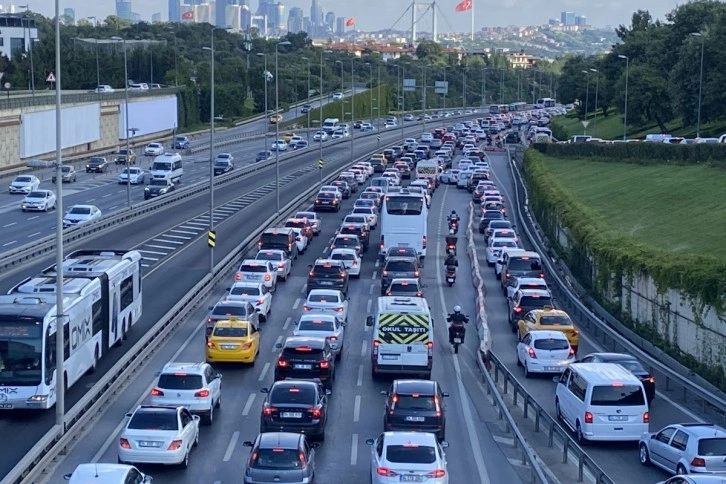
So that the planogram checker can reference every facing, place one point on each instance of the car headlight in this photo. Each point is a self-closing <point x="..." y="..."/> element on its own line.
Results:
<point x="163" y="190"/>
<point x="146" y="189"/>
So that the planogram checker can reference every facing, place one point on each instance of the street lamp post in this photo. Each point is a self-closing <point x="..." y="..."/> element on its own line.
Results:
<point x="378" y="99"/>
<point x="126" y="121"/>
<point x="98" y="69"/>
<point x="463" y="89"/>
<point x="308" y="97"/>
<point x="423" y="117"/>
<point x="370" y="87"/>
<point x="700" y="86"/>
<point x="597" y="88"/>
<point x="212" y="115"/>
<point x="501" y="86"/>
<point x="342" y="88"/>
<point x="403" y="97"/>
<point x="277" y="127"/>
<point x="176" y="55"/>
<point x="627" y="73"/>
<point x="320" y="112"/>
<point x="352" y="109"/>
<point x="30" y="49"/>
<point x="483" y="87"/>
<point x="587" y="99"/>
<point x="265" y="76"/>
<point x="151" y="63"/>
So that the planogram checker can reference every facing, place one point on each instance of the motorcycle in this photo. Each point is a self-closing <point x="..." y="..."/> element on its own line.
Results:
<point x="457" y="337"/>
<point x="451" y="248"/>
<point x="450" y="275"/>
<point x="454" y="225"/>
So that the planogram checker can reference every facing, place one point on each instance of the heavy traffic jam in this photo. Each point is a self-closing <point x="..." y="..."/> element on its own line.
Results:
<point x="600" y="396"/>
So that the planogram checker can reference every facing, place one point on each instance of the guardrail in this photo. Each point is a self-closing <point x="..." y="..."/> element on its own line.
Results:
<point x="605" y="328"/>
<point x="529" y="458"/>
<point x="39" y="460"/>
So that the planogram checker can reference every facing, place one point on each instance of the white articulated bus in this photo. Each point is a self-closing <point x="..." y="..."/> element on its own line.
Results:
<point x="404" y="222"/>
<point x="101" y="302"/>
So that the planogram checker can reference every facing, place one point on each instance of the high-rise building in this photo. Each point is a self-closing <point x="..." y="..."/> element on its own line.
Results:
<point x="567" y="18"/>
<point x="221" y="11"/>
<point x="279" y="17"/>
<point x="135" y="17"/>
<point x="70" y="15"/>
<point x="156" y="17"/>
<point x="233" y="17"/>
<point x="174" y="11"/>
<point x="295" y="20"/>
<point x="204" y="13"/>
<point x="330" y="20"/>
<point x="340" y="25"/>
<point x="245" y="17"/>
<point x="123" y="9"/>
<point x="316" y="13"/>
<point x="580" y="20"/>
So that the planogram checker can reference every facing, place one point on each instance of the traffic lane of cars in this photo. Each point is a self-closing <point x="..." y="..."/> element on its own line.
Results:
<point x="619" y="459"/>
<point x="177" y="277"/>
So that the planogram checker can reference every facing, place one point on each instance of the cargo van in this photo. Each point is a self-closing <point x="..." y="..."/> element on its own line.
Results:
<point x="169" y="166"/>
<point x="601" y="402"/>
<point x="402" y="337"/>
<point x="519" y="263"/>
<point x="279" y="238"/>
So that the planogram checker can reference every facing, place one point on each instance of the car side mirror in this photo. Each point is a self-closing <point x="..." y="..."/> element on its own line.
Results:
<point x="369" y="321"/>
<point x="247" y="443"/>
<point x="315" y="445"/>
<point x="384" y="392"/>
<point x="556" y="379"/>
<point x="328" y="391"/>
<point x="446" y="394"/>
<point x="210" y="307"/>
<point x="652" y="436"/>
<point x="278" y="346"/>
<point x="67" y="477"/>
<point x="310" y="266"/>
<point x="370" y="441"/>
<point x="128" y="415"/>
<point x="444" y="444"/>
<point x="148" y="480"/>
<point x="264" y="390"/>
<point x="228" y="289"/>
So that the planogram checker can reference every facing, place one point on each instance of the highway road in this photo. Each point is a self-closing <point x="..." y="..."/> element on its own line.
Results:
<point x="356" y="406"/>
<point x="173" y="241"/>
<point x="618" y="460"/>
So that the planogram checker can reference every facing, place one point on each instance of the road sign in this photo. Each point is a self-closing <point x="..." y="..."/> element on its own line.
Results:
<point x="585" y="123"/>
<point x="211" y="238"/>
<point x="441" y="87"/>
<point x="409" y="85"/>
<point x="50" y="78"/>
<point x="321" y="164"/>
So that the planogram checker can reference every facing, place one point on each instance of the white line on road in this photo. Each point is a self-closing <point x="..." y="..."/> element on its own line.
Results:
<point x="150" y="258"/>
<point x="33" y="235"/>
<point x="113" y="208"/>
<point x="359" y="380"/>
<point x="169" y="241"/>
<point x="230" y="447"/>
<point x="10" y="243"/>
<point x="377" y="264"/>
<point x="10" y="224"/>
<point x="368" y="305"/>
<point x="187" y="232"/>
<point x="90" y="200"/>
<point x="248" y="405"/>
<point x="370" y="289"/>
<point x="296" y="304"/>
<point x="364" y="348"/>
<point x="161" y="247"/>
<point x="354" y="450"/>
<point x="145" y="265"/>
<point x="303" y="289"/>
<point x="277" y="342"/>
<point x="182" y="237"/>
<point x="264" y="371"/>
<point x="287" y="323"/>
<point x="375" y="273"/>
<point x="109" y="194"/>
<point x="152" y="252"/>
<point x="326" y="249"/>
<point x="356" y="409"/>
<point x="33" y="217"/>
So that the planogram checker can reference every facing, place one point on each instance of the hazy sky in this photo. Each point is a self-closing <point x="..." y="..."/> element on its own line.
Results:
<point x="381" y="14"/>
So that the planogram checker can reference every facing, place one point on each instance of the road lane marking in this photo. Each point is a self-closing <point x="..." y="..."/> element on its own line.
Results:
<point x="231" y="446"/>
<point x="187" y="232"/>
<point x="10" y="243"/>
<point x="377" y="264"/>
<point x="375" y="273"/>
<point x="10" y="224"/>
<point x="113" y="208"/>
<point x="152" y="252"/>
<point x="368" y="305"/>
<point x="356" y="409"/>
<point x="263" y="373"/>
<point x="354" y="450"/>
<point x="90" y="200"/>
<point x="161" y="247"/>
<point x="364" y="347"/>
<point x="33" y="217"/>
<point x="248" y="405"/>
<point x="109" y="194"/>
<point x="150" y="258"/>
<point x="145" y="265"/>
<point x="370" y="289"/>
<point x="277" y="342"/>
<point x="296" y="304"/>
<point x="169" y="241"/>
<point x="302" y="289"/>
<point x="182" y="237"/>
<point x="33" y="235"/>
<point x="359" y="380"/>
<point x="287" y="323"/>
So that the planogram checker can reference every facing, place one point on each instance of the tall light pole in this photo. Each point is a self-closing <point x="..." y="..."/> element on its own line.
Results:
<point x="423" y="117"/>
<point x="587" y="99"/>
<point x="212" y="115"/>
<point x="597" y="87"/>
<point x="403" y="97"/>
<point x="308" y="97"/>
<point x="176" y="55"/>
<point x="60" y="388"/>
<point x="265" y="77"/>
<point x="342" y="84"/>
<point x="463" y="88"/>
<point x="501" y="86"/>
<point x="378" y="99"/>
<point x="98" y="69"/>
<point x="352" y="108"/>
<point x="700" y="86"/>
<point x="151" y="62"/>
<point x="126" y="115"/>
<point x="277" y="127"/>
<point x="483" y="87"/>
<point x="30" y="49"/>
<point x="320" y="112"/>
<point x="370" y="86"/>
<point x="627" y="73"/>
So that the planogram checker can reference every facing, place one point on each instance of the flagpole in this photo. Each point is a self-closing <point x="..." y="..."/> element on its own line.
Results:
<point x="472" y="20"/>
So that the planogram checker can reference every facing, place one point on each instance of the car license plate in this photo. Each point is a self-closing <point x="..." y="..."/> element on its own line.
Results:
<point x="411" y="478"/>
<point x="617" y="418"/>
<point x="303" y="367"/>
<point x="552" y="368"/>
<point x="415" y="419"/>
<point x="146" y="443"/>
<point x="291" y="414"/>
<point x="457" y="340"/>
<point x="326" y="283"/>
<point x="254" y="277"/>
<point x="228" y="346"/>
<point x="6" y="405"/>
<point x="389" y="357"/>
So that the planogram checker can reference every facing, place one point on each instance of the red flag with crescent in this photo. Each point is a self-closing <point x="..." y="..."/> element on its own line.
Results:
<point x="464" y="6"/>
<point x="350" y="22"/>
<point x="188" y="15"/>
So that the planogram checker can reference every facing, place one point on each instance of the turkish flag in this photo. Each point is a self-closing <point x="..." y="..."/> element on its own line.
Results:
<point x="464" y="6"/>
<point x="188" y="15"/>
<point x="350" y="22"/>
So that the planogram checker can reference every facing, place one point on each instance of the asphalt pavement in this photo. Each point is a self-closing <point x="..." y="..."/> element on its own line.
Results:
<point x="479" y="449"/>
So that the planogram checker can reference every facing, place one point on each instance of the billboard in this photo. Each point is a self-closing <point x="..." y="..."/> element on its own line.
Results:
<point x="148" y="116"/>
<point x="79" y="125"/>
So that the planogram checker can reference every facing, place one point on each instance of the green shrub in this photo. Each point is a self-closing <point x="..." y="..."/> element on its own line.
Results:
<point x="643" y="153"/>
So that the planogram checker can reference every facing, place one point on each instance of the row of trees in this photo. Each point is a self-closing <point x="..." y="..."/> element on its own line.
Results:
<point x="173" y="54"/>
<point x="661" y="62"/>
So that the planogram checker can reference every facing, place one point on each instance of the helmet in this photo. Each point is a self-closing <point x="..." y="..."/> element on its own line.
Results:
<point x="451" y="232"/>
<point x="453" y="212"/>
<point x="457" y="309"/>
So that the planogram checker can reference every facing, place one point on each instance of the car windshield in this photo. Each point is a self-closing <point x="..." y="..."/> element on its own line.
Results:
<point x="524" y="264"/>
<point x="551" y="344"/>
<point x="36" y="195"/>
<point x="633" y="366"/>
<point x="403" y="287"/>
<point x="327" y="269"/>
<point x="316" y="325"/>
<point x="80" y="210"/>
<point x="324" y="298"/>
<point x="161" y="166"/>
<point x="504" y="243"/>
<point x="274" y="256"/>
<point x="292" y="395"/>
<point x="555" y="320"/>
<point x="97" y="160"/>
<point x="399" y="266"/>
<point x="617" y="395"/>
<point x="179" y="381"/>
<point x="410" y="454"/>
<point x="326" y="195"/>
<point x="712" y="447"/>
<point x="355" y="220"/>
<point x="23" y="179"/>
<point x="66" y="169"/>
<point x="154" y="420"/>
<point x="221" y="163"/>
<point x="415" y="402"/>
<point x="277" y="459"/>
<point x="404" y="205"/>
<point x="342" y="256"/>
<point x="245" y="291"/>
<point x="535" y="301"/>
<point x="21" y="343"/>
<point x="236" y="332"/>
<point x="345" y="242"/>
<point x="158" y="182"/>
<point x="230" y="310"/>
<point x="364" y="210"/>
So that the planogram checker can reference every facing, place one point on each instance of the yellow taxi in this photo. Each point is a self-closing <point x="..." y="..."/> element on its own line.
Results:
<point x="233" y="341"/>
<point x="275" y="118"/>
<point x="549" y="319"/>
<point x="288" y="136"/>
<point x="379" y="156"/>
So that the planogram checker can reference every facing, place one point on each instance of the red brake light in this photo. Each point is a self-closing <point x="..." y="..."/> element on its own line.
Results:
<point x="202" y="393"/>
<point x="317" y="413"/>
<point x="260" y="301"/>
<point x="282" y="363"/>
<point x="237" y="276"/>
<point x="646" y="417"/>
<point x="437" y="474"/>
<point x="175" y="445"/>
<point x="267" y="411"/>
<point x="588" y="417"/>
<point x="281" y="265"/>
<point x="324" y="365"/>
<point x="531" y="353"/>
<point x="518" y="309"/>
<point x="268" y="277"/>
<point x="157" y="393"/>
<point x="332" y="338"/>
<point x="124" y="443"/>
<point x="698" y="462"/>
<point x="210" y="344"/>
<point x="303" y="349"/>
<point x="651" y="380"/>
<point x="385" y="273"/>
<point x="385" y="472"/>
<point x="571" y="354"/>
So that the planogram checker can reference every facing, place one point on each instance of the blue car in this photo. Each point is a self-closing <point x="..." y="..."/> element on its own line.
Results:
<point x="180" y="143"/>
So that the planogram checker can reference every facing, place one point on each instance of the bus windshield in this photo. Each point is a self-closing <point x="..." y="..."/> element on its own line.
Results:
<point x="404" y="205"/>
<point x="21" y="346"/>
<point x="161" y="166"/>
<point x="493" y="109"/>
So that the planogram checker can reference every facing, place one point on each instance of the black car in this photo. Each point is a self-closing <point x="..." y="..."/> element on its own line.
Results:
<point x="512" y="138"/>
<point x="630" y="363"/>
<point x="222" y="166"/>
<point x="97" y="164"/>
<point x="180" y="143"/>
<point x="487" y="217"/>
<point x="398" y="268"/>
<point x="401" y="251"/>
<point x="277" y="455"/>
<point x="360" y="230"/>
<point x="263" y="155"/>
<point x="306" y="357"/>
<point x="344" y="188"/>
<point x="415" y="406"/>
<point x="327" y="201"/>
<point x="328" y="274"/>
<point x="158" y="187"/>
<point x="299" y="406"/>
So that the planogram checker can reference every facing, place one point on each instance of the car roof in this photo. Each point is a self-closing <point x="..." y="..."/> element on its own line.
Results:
<point x="247" y="284"/>
<point x="100" y="472"/>
<point x="270" y="251"/>
<point x="311" y="341"/>
<point x="606" y="357"/>
<point x="535" y="292"/>
<point x="423" y="387"/>
<point x="530" y="280"/>
<point x="703" y="430"/>
<point x="343" y="250"/>
<point x="605" y="373"/>
<point x="399" y="258"/>
<point x="332" y="262"/>
<point x="326" y="292"/>
<point x="180" y="366"/>
<point x="401" y="438"/>
<point x="547" y="334"/>
<point x="253" y="262"/>
<point x="285" y="440"/>
<point x="313" y="316"/>
<point x="406" y="280"/>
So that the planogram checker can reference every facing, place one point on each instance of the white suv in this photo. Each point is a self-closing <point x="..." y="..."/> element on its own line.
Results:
<point x="196" y="386"/>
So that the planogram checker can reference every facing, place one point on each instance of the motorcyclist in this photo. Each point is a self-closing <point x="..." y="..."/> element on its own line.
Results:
<point x="453" y="216"/>
<point x="451" y="261"/>
<point x="457" y="321"/>
<point x="451" y="240"/>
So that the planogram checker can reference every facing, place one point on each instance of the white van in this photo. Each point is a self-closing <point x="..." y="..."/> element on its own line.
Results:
<point x="403" y="337"/>
<point x="601" y="402"/>
<point x="168" y="165"/>
<point x="330" y="124"/>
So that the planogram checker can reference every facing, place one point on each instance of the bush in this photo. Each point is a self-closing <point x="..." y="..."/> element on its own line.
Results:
<point x="642" y="153"/>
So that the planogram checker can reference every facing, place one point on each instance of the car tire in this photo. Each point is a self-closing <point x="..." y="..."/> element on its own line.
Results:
<point x="643" y="455"/>
<point x="185" y="462"/>
<point x="527" y="374"/>
<point x="209" y="418"/>
<point x="516" y="355"/>
<point x="579" y="435"/>
<point x="680" y="470"/>
<point x="196" y="439"/>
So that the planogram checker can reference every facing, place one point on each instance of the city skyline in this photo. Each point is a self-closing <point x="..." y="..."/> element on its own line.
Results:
<point x="369" y="15"/>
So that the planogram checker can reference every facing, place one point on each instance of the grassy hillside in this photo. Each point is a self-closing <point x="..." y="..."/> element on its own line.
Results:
<point x="361" y="109"/>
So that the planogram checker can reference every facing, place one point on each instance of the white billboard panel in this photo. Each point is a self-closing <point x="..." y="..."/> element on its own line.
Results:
<point x="148" y="116"/>
<point x="79" y="125"/>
